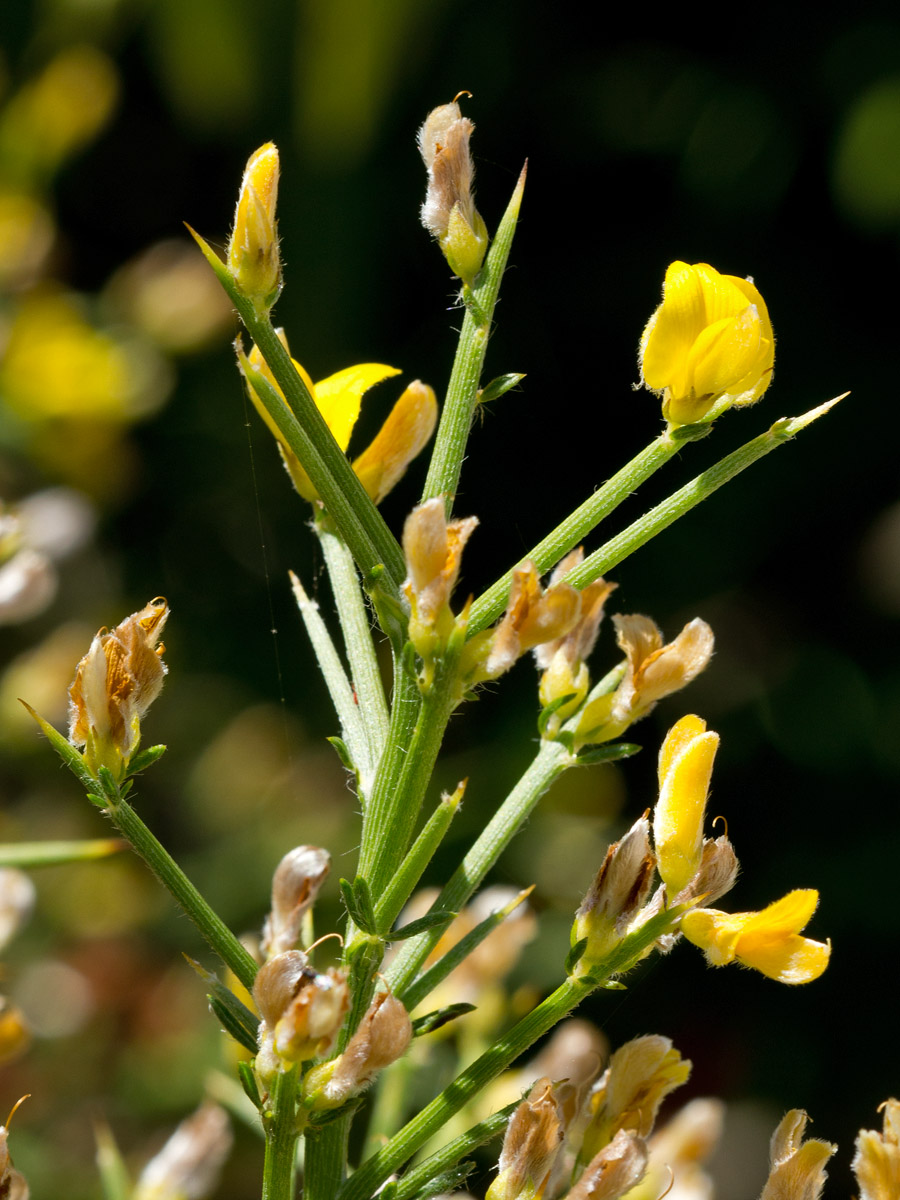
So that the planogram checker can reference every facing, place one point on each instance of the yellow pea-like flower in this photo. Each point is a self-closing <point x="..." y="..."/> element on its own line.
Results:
<point x="685" y="769"/>
<point x="403" y="435"/>
<point x="710" y="340"/>
<point x="769" y="940"/>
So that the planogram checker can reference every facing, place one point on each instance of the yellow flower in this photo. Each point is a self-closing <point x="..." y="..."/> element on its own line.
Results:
<point x="404" y="434"/>
<point x="876" y="1163"/>
<point x="685" y="768"/>
<point x="710" y="340"/>
<point x="769" y="941"/>
<point x="796" y="1168"/>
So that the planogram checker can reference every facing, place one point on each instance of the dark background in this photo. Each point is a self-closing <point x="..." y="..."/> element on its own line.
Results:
<point x="774" y="153"/>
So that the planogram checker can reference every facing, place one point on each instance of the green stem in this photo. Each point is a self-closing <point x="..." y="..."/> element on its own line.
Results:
<point x="420" y="855"/>
<point x="171" y="876"/>
<point x="588" y="516"/>
<point x="304" y="429"/>
<point x="45" y="854"/>
<point x="281" y="1139"/>
<point x="549" y="763"/>
<point x="356" y="626"/>
<point x="640" y="532"/>
<point x="435" y="1115"/>
<point x="462" y="391"/>
<point x="391" y="1102"/>
<point x="326" y="1159"/>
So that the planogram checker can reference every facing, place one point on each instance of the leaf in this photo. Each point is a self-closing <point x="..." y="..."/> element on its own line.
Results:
<point x="498" y="387"/>
<point x="611" y="753"/>
<point x="440" y="916"/>
<point x="445" y="1181"/>
<point x="248" y="1083"/>
<point x="358" y="901"/>
<point x="549" y="709"/>
<point x="145" y="758"/>
<point x="574" y="955"/>
<point x="236" y="1018"/>
<point x="440" y="1016"/>
<point x="342" y="752"/>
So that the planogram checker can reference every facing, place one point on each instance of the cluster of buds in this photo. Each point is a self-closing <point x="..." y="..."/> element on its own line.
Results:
<point x="692" y="869"/>
<point x="449" y="211"/>
<point x="402" y="437"/>
<point x="115" y="683"/>
<point x="301" y="1011"/>
<point x="708" y="346"/>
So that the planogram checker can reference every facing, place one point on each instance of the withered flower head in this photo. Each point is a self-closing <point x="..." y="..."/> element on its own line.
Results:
<point x="295" y="885"/>
<point x="115" y="683"/>
<point x="613" y="1171"/>
<point x="797" y="1168"/>
<point x="654" y="669"/>
<point x="382" y="1037"/>
<point x="449" y="210"/>
<point x="876" y="1163"/>
<point x="533" y="616"/>
<point x="188" y="1166"/>
<point x="531" y="1145"/>
<point x="302" y="1010"/>
<point x="615" y="900"/>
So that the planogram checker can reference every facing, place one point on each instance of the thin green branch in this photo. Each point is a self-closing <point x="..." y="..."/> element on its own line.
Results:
<point x="640" y="532"/>
<point x="171" y="876"/>
<point x="462" y="392"/>
<point x="281" y="1138"/>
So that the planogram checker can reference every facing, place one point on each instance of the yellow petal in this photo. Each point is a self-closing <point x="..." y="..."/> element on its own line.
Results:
<point x="681" y="733"/>
<point x="793" y="959"/>
<point x="678" y="817"/>
<point x="339" y="397"/>
<point x="403" y="435"/>
<point x="724" y="354"/>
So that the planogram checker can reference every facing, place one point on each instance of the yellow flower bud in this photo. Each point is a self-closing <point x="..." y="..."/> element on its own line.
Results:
<point x="710" y="341"/>
<point x="382" y="1037"/>
<point x="253" y="257"/>
<point x="531" y="1145"/>
<point x="769" y="941"/>
<point x="115" y="683"/>
<point x="797" y="1167"/>
<point x="613" y="1171"/>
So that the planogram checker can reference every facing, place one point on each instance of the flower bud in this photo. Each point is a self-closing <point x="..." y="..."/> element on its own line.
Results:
<point x="876" y="1163"/>
<point x="531" y="1145"/>
<point x="797" y="1167"/>
<point x="382" y="1037"/>
<point x="253" y="257"/>
<point x="709" y="343"/>
<point x="615" y="899"/>
<point x="685" y="769"/>
<point x="189" y="1164"/>
<point x="295" y="885"/>
<point x="115" y="683"/>
<point x="449" y="209"/>
<point x="613" y="1171"/>
<point x="301" y="1009"/>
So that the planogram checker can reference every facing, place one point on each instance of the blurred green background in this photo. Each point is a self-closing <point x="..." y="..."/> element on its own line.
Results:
<point x="775" y="154"/>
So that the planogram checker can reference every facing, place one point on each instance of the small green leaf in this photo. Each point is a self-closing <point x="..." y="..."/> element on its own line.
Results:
<point x="602" y="754"/>
<point x="99" y="801"/>
<point x="247" y="1076"/>
<point x="145" y="758"/>
<point x="237" y="1019"/>
<point x="498" y="387"/>
<point x="409" y="661"/>
<point x="445" y="1181"/>
<point x="440" y="1016"/>
<point x="574" y="955"/>
<point x="326" y="1116"/>
<point x="342" y="752"/>
<point x="440" y="916"/>
<point x="114" y="1179"/>
<point x="359" y="904"/>
<point x="109" y="785"/>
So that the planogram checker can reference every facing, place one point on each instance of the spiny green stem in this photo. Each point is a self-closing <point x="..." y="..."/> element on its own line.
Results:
<point x="420" y="855"/>
<point x="171" y="876"/>
<point x="413" y="1181"/>
<point x="579" y="524"/>
<point x="462" y="391"/>
<point x="435" y="1115"/>
<point x="640" y="532"/>
<point x="281" y="1139"/>
<point x="549" y="763"/>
